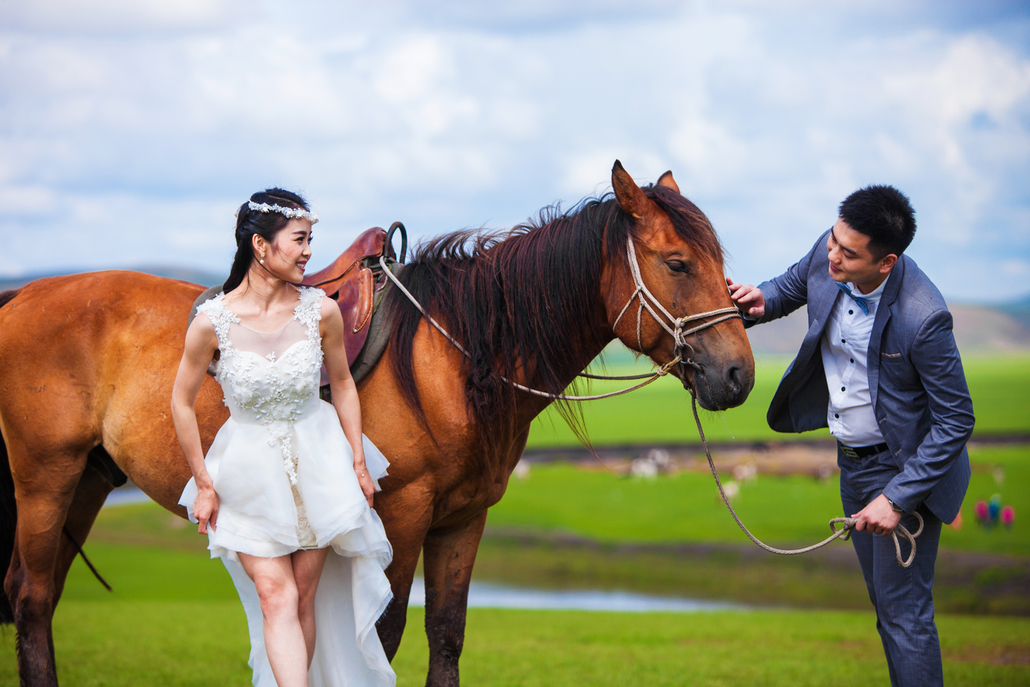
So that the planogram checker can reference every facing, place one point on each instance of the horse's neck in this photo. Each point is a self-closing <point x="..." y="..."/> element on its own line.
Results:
<point x="586" y="340"/>
<point x="591" y="344"/>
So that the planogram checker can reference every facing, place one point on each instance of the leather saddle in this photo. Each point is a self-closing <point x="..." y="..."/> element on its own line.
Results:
<point x="355" y="280"/>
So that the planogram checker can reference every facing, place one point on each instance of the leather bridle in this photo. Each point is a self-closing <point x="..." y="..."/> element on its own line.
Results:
<point x="675" y="326"/>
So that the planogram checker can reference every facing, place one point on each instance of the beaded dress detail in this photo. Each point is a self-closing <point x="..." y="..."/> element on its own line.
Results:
<point x="284" y="474"/>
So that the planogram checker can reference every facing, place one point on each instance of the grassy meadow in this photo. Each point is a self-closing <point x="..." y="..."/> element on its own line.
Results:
<point x="127" y="643"/>
<point x="174" y="619"/>
<point x="660" y="413"/>
<point x="785" y="511"/>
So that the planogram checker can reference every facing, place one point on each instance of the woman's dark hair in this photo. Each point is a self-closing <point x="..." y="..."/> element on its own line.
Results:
<point x="264" y="224"/>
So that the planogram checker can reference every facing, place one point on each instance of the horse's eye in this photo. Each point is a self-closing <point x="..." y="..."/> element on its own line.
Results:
<point x="678" y="266"/>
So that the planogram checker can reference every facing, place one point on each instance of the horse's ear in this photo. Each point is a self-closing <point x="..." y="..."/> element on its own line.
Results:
<point x="627" y="193"/>
<point x="668" y="182"/>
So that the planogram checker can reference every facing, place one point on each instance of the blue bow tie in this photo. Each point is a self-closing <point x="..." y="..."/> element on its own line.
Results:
<point x="863" y="303"/>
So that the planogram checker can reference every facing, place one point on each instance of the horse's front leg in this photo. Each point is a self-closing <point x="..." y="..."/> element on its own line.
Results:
<point x="448" y="556"/>
<point x="44" y="488"/>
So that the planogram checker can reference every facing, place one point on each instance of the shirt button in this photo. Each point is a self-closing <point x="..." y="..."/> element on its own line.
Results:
<point x="851" y="312"/>
<point x="836" y="415"/>
<point x="843" y="340"/>
<point x="842" y="388"/>
<point x="852" y="360"/>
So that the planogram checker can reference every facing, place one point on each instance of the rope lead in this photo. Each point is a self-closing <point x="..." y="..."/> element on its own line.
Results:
<point x="847" y="524"/>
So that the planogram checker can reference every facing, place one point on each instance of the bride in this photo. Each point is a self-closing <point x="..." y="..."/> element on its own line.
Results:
<point x="286" y="488"/>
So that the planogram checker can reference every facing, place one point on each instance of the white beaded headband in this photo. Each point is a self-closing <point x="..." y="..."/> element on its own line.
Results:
<point x="289" y="213"/>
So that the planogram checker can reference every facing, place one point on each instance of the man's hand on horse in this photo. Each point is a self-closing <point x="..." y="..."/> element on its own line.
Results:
<point x="748" y="299"/>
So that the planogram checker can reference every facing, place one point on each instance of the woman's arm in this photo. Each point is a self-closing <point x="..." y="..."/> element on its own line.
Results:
<point x="344" y="391"/>
<point x="201" y="344"/>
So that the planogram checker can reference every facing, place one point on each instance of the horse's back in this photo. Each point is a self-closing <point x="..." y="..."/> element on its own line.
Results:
<point x="92" y="327"/>
<point x="90" y="359"/>
<point x="91" y="303"/>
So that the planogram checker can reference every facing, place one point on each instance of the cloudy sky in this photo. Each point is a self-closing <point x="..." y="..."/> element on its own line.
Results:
<point x="131" y="129"/>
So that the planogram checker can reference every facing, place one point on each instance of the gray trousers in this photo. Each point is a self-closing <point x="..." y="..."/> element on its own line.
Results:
<point x="902" y="597"/>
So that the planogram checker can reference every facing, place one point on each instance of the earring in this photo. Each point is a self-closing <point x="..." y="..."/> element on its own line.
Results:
<point x="262" y="260"/>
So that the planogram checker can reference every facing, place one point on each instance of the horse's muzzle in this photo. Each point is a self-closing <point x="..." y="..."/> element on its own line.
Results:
<point x="718" y="387"/>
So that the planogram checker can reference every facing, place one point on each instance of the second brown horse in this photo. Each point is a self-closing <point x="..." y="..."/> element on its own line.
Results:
<point x="87" y="364"/>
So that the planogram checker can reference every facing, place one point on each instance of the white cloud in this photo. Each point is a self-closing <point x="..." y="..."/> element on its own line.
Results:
<point x="1015" y="269"/>
<point x="120" y="15"/>
<point x="767" y="113"/>
<point x="708" y="151"/>
<point x="411" y="71"/>
<point x="112" y="230"/>
<point x="27" y="201"/>
<point x="590" y="173"/>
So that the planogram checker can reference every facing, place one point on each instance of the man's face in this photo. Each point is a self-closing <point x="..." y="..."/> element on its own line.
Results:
<point x="852" y="261"/>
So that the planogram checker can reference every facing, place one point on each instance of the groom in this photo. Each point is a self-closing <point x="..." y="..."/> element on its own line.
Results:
<point x="878" y="366"/>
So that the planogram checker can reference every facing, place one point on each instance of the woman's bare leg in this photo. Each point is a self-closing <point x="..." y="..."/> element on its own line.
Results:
<point x="307" y="569"/>
<point x="284" y="640"/>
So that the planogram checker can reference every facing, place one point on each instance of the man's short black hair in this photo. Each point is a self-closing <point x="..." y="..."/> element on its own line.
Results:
<point x="884" y="214"/>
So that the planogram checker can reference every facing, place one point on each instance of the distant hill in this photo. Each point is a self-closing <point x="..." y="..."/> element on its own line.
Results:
<point x="1019" y="310"/>
<point x="978" y="329"/>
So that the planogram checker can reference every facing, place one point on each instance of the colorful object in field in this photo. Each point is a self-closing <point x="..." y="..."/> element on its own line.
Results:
<point x="994" y="508"/>
<point x="990" y="513"/>
<point x="1008" y="516"/>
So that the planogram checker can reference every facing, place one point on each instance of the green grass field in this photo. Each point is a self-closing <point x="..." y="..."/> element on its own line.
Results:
<point x="564" y="526"/>
<point x="660" y="413"/>
<point x="685" y="507"/>
<point x="127" y="640"/>
<point x="174" y="618"/>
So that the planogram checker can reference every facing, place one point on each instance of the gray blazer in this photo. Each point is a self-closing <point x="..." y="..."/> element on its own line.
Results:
<point x="918" y="389"/>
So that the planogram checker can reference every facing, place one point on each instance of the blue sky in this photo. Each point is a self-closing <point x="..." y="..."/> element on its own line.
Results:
<point x="131" y="130"/>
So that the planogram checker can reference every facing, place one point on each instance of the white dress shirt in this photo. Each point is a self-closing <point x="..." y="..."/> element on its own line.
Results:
<point x="845" y="347"/>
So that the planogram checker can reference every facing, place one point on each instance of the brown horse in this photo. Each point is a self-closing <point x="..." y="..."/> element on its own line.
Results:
<point x="87" y="364"/>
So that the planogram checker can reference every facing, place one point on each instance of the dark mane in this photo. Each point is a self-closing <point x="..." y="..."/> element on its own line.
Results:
<point x="520" y="301"/>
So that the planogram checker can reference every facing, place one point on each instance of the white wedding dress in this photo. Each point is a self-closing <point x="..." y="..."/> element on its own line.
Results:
<point x="283" y="471"/>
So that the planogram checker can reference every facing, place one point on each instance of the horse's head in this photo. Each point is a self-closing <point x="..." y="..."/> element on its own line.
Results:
<point x="678" y="276"/>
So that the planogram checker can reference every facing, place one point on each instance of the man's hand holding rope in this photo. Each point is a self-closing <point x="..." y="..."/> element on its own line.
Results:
<point x="878" y="517"/>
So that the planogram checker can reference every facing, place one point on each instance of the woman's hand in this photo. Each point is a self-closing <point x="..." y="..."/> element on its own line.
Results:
<point x="205" y="509"/>
<point x="368" y="487"/>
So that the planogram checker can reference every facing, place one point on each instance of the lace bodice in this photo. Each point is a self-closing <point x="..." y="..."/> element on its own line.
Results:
<point x="270" y="378"/>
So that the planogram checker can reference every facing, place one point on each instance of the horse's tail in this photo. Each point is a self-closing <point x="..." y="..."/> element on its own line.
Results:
<point x="8" y="524"/>
<point x="8" y="511"/>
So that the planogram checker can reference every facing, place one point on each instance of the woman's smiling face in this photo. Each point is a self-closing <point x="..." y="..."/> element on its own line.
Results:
<point x="288" y="254"/>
